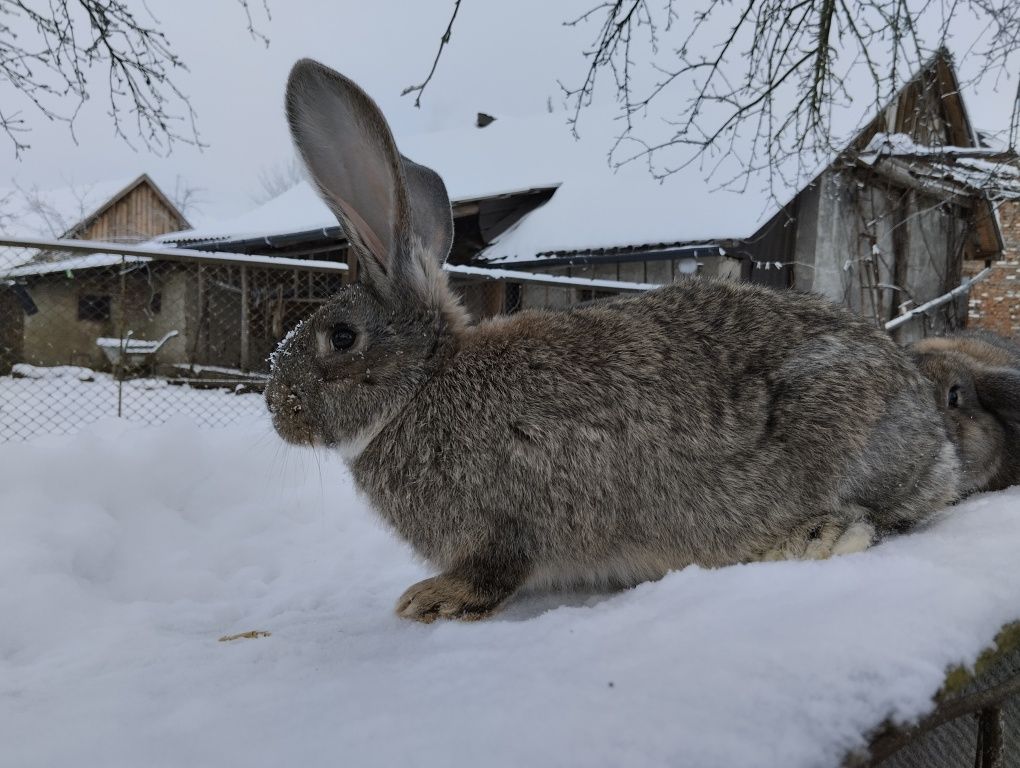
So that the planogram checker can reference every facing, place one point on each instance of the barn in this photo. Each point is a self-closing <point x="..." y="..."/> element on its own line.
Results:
<point x="53" y="306"/>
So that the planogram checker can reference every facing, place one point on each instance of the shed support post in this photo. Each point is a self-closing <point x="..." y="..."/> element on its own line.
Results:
<point x="245" y="322"/>
<point x="989" y="739"/>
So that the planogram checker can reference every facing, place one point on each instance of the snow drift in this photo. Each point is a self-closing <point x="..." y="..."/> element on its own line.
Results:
<point x="126" y="552"/>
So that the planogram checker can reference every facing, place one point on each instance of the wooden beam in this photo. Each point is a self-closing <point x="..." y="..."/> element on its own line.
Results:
<point x="893" y="739"/>
<point x="952" y="102"/>
<point x="899" y="173"/>
<point x="989" y="739"/>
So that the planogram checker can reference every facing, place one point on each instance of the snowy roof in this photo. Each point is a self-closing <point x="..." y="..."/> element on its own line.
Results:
<point x="986" y="172"/>
<point x="298" y="209"/>
<point x="593" y="206"/>
<point x="31" y="267"/>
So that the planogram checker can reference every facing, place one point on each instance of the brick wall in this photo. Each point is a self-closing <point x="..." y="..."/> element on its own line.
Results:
<point x="995" y="302"/>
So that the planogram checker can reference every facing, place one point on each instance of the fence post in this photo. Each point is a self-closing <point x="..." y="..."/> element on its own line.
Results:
<point x="245" y="324"/>
<point x="122" y="316"/>
<point x="989" y="739"/>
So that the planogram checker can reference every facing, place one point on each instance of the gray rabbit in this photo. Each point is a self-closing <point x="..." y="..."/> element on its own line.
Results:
<point x="705" y="422"/>
<point x="977" y="388"/>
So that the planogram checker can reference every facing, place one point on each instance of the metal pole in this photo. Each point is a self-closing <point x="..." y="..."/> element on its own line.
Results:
<point x="962" y="288"/>
<point x="185" y="256"/>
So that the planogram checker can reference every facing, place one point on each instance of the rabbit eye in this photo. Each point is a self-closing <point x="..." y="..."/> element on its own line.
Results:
<point x="342" y="337"/>
<point x="953" y="399"/>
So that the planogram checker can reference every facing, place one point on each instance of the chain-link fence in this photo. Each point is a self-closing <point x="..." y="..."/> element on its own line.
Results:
<point x="88" y="335"/>
<point x="85" y="337"/>
<point x="144" y="334"/>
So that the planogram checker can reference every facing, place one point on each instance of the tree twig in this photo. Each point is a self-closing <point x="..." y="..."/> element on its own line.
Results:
<point x="442" y="44"/>
<point x="52" y="54"/>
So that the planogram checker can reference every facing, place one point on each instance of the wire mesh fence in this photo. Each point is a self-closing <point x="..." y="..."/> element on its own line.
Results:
<point x="143" y="331"/>
<point x="84" y="338"/>
<point x="87" y="335"/>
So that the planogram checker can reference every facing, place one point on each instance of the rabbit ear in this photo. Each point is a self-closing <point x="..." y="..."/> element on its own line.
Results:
<point x="431" y="213"/>
<point x="350" y="154"/>
<point x="998" y="389"/>
<point x="386" y="203"/>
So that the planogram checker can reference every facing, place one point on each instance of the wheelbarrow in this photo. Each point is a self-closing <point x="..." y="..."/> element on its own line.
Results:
<point x="129" y="352"/>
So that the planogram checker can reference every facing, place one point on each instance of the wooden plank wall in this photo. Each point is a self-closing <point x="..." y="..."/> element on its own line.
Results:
<point x="139" y="215"/>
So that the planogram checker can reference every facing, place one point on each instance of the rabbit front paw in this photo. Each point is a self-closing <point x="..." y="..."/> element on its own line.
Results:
<point x="822" y="540"/>
<point x="445" y="597"/>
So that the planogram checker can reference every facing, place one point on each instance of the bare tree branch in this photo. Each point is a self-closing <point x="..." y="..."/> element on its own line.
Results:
<point x="442" y="44"/>
<point x="252" y="29"/>
<point x="763" y="80"/>
<point x="186" y="197"/>
<point x="775" y="76"/>
<point x="276" y="179"/>
<point x="53" y="51"/>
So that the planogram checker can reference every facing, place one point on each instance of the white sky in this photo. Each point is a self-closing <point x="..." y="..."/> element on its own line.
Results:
<point x="504" y="58"/>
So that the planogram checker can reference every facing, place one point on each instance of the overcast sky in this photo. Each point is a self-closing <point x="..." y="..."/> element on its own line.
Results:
<point x="504" y="58"/>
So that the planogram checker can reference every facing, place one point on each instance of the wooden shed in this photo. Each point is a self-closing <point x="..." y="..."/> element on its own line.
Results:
<point x="885" y="226"/>
<point x="54" y="306"/>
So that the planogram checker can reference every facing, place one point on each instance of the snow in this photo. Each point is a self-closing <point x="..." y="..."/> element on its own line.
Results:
<point x="143" y="252"/>
<point x="281" y="348"/>
<point x="728" y="193"/>
<point x="26" y="371"/>
<point x="594" y="206"/>
<point x="902" y="144"/>
<point x="296" y="210"/>
<point x="134" y="346"/>
<point x="26" y="267"/>
<point x="979" y="170"/>
<point x="127" y="552"/>
<point x="200" y="369"/>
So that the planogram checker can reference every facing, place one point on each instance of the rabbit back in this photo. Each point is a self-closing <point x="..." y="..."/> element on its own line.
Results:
<point x="700" y="423"/>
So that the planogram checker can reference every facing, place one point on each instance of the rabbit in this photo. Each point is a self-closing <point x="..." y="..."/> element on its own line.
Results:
<point x="977" y="388"/>
<point x="705" y="422"/>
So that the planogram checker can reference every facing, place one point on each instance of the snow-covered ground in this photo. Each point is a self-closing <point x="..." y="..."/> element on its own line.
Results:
<point x="63" y="399"/>
<point x="126" y="552"/>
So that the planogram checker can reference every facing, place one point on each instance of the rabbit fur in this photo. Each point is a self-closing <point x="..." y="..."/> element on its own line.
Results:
<point x="977" y="389"/>
<point x="705" y="422"/>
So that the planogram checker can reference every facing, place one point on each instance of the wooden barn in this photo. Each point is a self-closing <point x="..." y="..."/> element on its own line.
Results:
<point x="54" y="306"/>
